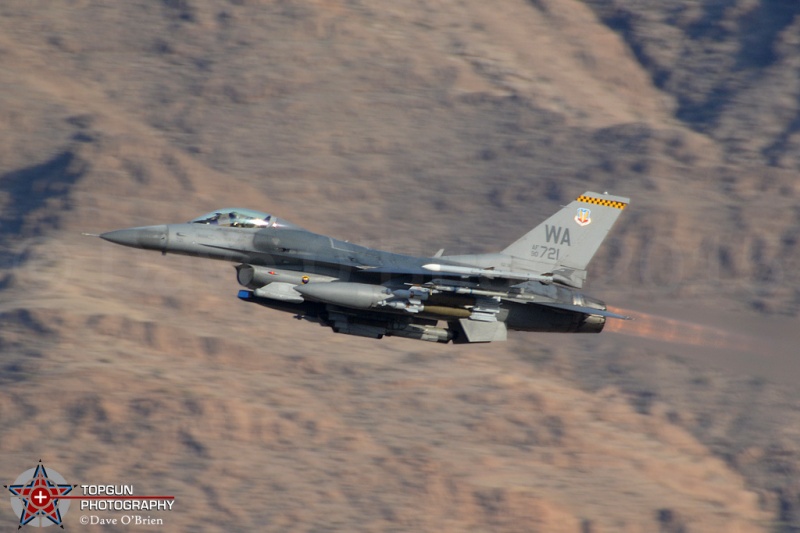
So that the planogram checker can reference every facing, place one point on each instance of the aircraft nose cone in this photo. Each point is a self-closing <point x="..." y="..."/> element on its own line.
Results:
<point x="147" y="237"/>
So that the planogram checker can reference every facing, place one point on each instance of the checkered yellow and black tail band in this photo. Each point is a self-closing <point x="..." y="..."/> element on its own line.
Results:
<point x="600" y="201"/>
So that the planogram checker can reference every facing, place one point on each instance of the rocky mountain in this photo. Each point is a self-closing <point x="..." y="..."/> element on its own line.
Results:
<point x="409" y="126"/>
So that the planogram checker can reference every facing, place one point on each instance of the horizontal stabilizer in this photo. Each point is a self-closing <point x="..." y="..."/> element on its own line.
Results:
<point x="583" y="309"/>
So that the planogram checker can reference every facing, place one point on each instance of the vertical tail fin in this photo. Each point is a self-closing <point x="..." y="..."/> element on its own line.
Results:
<point x="566" y="242"/>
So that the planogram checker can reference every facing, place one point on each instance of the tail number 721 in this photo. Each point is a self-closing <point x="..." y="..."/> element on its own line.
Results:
<point x="545" y="252"/>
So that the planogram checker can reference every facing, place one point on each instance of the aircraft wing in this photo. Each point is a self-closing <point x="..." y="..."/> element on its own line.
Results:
<point x="457" y="270"/>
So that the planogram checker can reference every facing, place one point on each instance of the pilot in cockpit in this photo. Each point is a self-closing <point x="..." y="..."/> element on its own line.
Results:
<point x="213" y="219"/>
<point x="239" y="218"/>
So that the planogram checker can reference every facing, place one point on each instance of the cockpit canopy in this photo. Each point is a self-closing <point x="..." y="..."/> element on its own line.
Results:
<point x="236" y="218"/>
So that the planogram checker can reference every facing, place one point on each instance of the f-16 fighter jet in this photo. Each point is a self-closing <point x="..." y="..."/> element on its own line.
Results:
<point x="531" y="285"/>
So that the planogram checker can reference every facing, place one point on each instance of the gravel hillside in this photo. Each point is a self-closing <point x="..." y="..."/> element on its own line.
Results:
<point x="409" y="126"/>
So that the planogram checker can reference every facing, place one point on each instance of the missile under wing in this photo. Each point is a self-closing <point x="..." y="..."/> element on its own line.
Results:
<point x="531" y="285"/>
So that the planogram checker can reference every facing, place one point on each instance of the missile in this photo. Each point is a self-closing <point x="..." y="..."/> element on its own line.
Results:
<point x="443" y="310"/>
<point x="421" y="332"/>
<point x="486" y="272"/>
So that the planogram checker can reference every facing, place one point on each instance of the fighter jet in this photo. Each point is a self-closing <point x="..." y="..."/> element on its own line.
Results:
<point x="531" y="285"/>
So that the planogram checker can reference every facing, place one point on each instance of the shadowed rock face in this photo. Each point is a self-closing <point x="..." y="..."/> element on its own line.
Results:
<point x="729" y="65"/>
<point x="410" y="127"/>
<point x="39" y="190"/>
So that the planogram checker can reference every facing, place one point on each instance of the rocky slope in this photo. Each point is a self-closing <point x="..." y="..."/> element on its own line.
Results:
<point x="392" y="127"/>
